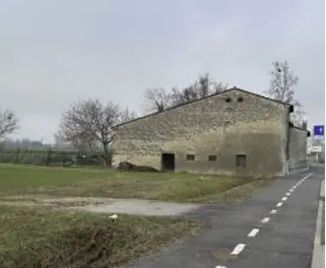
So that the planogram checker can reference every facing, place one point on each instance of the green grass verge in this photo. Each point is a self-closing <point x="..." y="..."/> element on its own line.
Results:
<point x="41" y="238"/>
<point x="181" y="187"/>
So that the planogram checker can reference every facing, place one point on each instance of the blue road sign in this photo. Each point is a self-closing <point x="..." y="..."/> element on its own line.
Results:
<point x="319" y="130"/>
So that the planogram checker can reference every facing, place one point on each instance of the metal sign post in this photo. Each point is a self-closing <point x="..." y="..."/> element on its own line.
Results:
<point x="319" y="131"/>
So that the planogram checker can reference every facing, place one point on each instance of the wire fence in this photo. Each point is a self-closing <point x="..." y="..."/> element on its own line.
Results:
<point x="51" y="157"/>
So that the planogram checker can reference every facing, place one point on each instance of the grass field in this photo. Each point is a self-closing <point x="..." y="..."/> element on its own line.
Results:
<point x="46" y="237"/>
<point x="181" y="187"/>
<point x="42" y="238"/>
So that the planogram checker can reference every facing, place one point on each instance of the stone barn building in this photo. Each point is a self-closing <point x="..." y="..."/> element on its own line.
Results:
<point x="235" y="132"/>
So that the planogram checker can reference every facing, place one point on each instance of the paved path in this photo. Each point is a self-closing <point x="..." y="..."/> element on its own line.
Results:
<point x="275" y="228"/>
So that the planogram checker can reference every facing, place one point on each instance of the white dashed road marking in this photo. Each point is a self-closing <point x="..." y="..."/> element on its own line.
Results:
<point x="265" y="220"/>
<point x="238" y="249"/>
<point x="273" y="211"/>
<point x="253" y="232"/>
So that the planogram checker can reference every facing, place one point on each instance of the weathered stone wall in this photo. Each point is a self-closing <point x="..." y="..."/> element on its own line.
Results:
<point x="297" y="148"/>
<point x="253" y="126"/>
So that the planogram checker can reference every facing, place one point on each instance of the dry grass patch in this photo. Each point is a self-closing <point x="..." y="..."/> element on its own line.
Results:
<point x="45" y="238"/>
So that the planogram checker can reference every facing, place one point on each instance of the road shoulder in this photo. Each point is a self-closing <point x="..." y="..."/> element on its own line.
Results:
<point x="318" y="258"/>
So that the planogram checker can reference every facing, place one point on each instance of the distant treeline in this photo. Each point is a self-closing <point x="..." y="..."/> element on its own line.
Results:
<point x="50" y="157"/>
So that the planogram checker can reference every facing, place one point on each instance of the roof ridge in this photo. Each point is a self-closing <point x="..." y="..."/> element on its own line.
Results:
<point x="203" y="98"/>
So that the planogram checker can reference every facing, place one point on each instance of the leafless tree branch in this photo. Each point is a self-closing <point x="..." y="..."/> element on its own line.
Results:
<point x="159" y="99"/>
<point x="8" y="123"/>
<point x="282" y="87"/>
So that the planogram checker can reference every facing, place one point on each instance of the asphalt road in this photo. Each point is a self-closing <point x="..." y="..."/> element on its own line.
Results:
<point x="273" y="229"/>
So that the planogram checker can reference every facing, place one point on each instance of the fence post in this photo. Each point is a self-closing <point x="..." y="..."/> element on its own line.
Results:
<point x="17" y="156"/>
<point x="48" y="159"/>
<point x="63" y="159"/>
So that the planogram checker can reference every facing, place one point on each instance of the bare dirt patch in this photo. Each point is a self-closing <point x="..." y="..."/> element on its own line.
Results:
<point x="103" y="205"/>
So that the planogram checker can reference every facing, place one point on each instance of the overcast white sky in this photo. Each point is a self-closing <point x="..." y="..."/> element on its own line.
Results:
<point x="53" y="53"/>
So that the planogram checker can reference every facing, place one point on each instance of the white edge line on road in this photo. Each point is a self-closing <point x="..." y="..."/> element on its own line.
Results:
<point x="265" y="220"/>
<point x="306" y="177"/>
<point x="219" y="266"/>
<point x="288" y="194"/>
<point x="291" y="190"/>
<point x="279" y="204"/>
<point x="273" y="211"/>
<point x="284" y="198"/>
<point x="253" y="232"/>
<point x="237" y="250"/>
<point x="318" y="258"/>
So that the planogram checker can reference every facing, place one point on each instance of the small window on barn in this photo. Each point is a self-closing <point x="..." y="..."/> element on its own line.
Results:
<point x="241" y="160"/>
<point x="228" y="99"/>
<point x="212" y="158"/>
<point x="190" y="157"/>
<point x="240" y="99"/>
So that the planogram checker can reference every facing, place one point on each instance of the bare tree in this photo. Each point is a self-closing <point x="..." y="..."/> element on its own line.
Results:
<point x="127" y="115"/>
<point x="201" y="88"/>
<point x="157" y="99"/>
<point x="8" y="123"/>
<point x="282" y="87"/>
<point x="203" y="85"/>
<point x="219" y="87"/>
<point x="93" y="122"/>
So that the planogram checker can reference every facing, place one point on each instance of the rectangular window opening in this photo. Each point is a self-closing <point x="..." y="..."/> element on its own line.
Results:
<point x="190" y="157"/>
<point x="241" y="160"/>
<point x="212" y="158"/>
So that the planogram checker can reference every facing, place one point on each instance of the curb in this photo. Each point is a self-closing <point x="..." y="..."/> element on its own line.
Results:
<point x="318" y="257"/>
<point x="299" y="170"/>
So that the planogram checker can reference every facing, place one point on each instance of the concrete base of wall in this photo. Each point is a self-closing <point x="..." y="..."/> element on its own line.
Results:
<point x="299" y="170"/>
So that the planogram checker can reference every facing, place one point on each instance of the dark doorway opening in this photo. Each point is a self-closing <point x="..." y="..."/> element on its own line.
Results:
<point x="168" y="162"/>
